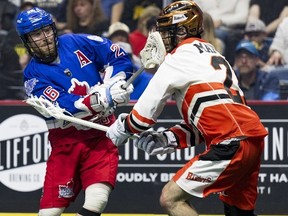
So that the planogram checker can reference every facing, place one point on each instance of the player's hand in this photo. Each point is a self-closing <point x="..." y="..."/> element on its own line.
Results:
<point x="120" y="96"/>
<point x="100" y="100"/>
<point x="157" y="142"/>
<point x="276" y="58"/>
<point x="117" y="132"/>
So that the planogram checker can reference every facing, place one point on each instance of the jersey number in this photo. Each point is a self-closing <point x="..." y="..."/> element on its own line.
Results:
<point x="51" y="93"/>
<point x="216" y="61"/>
<point x="116" y="49"/>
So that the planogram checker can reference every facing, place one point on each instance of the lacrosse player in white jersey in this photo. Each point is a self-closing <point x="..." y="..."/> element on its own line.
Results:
<point x="214" y="113"/>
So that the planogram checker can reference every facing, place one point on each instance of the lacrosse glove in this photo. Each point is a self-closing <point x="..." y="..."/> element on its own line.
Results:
<point x="99" y="101"/>
<point x="120" y="95"/>
<point x="155" y="143"/>
<point x="117" y="132"/>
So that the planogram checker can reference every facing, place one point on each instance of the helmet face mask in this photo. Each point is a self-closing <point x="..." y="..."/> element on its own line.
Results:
<point x="179" y="20"/>
<point x="38" y="32"/>
<point x="41" y="44"/>
<point x="168" y="37"/>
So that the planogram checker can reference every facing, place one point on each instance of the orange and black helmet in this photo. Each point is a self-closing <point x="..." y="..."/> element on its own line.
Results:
<point x="177" y="15"/>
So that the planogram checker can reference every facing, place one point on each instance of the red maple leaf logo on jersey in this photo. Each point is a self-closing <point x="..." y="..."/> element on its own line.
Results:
<point x="78" y="88"/>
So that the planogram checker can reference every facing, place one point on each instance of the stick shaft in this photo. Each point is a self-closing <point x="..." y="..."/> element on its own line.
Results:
<point x="57" y="113"/>
<point x="133" y="77"/>
<point x="84" y="122"/>
<point x="91" y="124"/>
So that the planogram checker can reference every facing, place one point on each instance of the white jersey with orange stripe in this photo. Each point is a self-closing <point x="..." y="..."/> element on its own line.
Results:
<point x="207" y="95"/>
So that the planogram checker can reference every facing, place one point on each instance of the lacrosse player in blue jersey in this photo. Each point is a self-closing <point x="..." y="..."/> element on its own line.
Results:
<point x="84" y="75"/>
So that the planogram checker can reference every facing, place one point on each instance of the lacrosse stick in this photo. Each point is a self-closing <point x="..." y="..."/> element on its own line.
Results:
<point x="133" y="77"/>
<point x="153" y="53"/>
<point x="48" y="109"/>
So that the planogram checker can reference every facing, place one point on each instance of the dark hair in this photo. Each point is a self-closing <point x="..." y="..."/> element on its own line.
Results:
<point x="7" y="15"/>
<point x="26" y="4"/>
<point x="151" y="23"/>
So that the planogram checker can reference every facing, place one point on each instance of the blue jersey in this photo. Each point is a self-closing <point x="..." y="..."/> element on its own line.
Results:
<point x="140" y="84"/>
<point x="81" y="64"/>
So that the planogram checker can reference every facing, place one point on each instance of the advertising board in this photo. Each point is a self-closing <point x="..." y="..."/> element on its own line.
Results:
<point x="24" y="149"/>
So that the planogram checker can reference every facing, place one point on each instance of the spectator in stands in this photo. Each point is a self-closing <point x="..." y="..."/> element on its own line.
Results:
<point x="255" y="83"/>
<point x="112" y="10"/>
<point x="14" y="41"/>
<point x="230" y="17"/>
<point x="61" y="15"/>
<point x="50" y="6"/>
<point x="255" y="32"/>
<point x="209" y="33"/>
<point x="278" y="60"/>
<point x="279" y="47"/>
<point x="8" y="12"/>
<point x="10" y="72"/>
<point x="271" y="13"/>
<point x="86" y="16"/>
<point x="146" y="23"/>
<point x="119" y="34"/>
<point x="133" y="10"/>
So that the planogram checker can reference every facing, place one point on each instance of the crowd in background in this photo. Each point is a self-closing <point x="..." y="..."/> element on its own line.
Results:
<point x="251" y="34"/>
